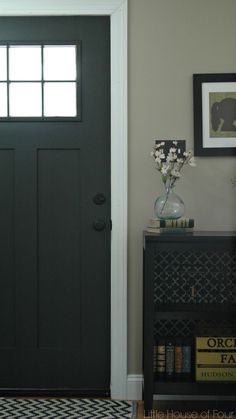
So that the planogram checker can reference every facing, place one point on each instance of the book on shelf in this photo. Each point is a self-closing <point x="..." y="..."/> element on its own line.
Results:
<point x="178" y="358"/>
<point x="171" y="223"/>
<point x="216" y="358"/>
<point x="169" y="230"/>
<point x="160" y="357"/>
<point x="186" y="357"/>
<point x="170" y="358"/>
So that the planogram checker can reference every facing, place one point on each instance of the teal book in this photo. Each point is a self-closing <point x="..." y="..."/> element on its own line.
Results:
<point x="186" y="358"/>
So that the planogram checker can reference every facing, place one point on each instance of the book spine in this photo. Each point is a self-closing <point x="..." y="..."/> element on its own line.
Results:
<point x="178" y="358"/>
<point x="174" y="230"/>
<point x="187" y="358"/>
<point x="180" y="223"/>
<point x="170" y="358"/>
<point x="155" y="358"/>
<point x="169" y="230"/>
<point x="161" y="358"/>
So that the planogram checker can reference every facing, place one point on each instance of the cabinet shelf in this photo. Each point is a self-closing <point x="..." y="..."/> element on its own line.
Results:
<point x="196" y="308"/>
<point x="193" y="388"/>
<point x="190" y="314"/>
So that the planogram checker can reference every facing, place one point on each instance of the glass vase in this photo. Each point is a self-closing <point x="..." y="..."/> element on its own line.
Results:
<point x="169" y="205"/>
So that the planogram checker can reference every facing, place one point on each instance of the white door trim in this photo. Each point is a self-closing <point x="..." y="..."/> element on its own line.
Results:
<point x="117" y="10"/>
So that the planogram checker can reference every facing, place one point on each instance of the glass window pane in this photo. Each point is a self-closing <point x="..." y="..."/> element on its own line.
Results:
<point x="3" y="99"/>
<point x="3" y="63"/>
<point x="25" y="63"/>
<point x="25" y="99"/>
<point x="59" y="62"/>
<point x="60" y="99"/>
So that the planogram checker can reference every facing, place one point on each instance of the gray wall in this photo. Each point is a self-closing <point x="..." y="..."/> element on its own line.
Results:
<point x="169" y="40"/>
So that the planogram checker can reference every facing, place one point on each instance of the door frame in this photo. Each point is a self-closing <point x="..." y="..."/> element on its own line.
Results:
<point x="118" y="12"/>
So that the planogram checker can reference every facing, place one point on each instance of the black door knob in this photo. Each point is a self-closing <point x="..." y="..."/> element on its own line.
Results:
<point x="99" y="199"/>
<point x="99" y="225"/>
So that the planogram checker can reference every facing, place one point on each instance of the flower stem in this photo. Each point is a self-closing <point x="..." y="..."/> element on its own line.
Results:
<point x="167" y="196"/>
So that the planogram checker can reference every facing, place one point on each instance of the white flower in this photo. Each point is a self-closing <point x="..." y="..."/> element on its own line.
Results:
<point x="192" y="162"/>
<point x="175" y="142"/>
<point x="175" y="173"/>
<point x="159" y="144"/>
<point x="171" y="157"/>
<point x="164" y="169"/>
<point x="159" y="154"/>
<point x="172" y="150"/>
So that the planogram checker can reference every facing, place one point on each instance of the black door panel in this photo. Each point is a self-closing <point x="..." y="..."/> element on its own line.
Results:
<point x="55" y="267"/>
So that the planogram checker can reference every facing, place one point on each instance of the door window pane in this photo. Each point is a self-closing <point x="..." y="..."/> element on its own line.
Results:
<point x="60" y="99"/>
<point x="39" y="81"/>
<point x="25" y="99"/>
<point x="25" y="63"/>
<point x="3" y="99"/>
<point x="3" y="63"/>
<point x="59" y="62"/>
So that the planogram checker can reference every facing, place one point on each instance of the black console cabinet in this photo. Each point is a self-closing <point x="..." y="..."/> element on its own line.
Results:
<point x="189" y="290"/>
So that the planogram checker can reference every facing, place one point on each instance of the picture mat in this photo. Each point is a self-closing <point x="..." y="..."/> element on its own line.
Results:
<point x="207" y="89"/>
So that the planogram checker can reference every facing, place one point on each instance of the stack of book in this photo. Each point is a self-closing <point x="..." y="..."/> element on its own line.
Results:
<point x="181" y="225"/>
<point x="172" y="359"/>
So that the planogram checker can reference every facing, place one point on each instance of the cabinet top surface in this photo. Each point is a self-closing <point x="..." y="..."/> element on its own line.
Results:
<point x="187" y="236"/>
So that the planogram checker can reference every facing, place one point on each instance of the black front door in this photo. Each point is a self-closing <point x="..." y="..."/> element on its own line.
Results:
<point x="55" y="204"/>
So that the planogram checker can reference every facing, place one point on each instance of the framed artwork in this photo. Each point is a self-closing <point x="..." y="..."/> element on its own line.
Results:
<point x="214" y="97"/>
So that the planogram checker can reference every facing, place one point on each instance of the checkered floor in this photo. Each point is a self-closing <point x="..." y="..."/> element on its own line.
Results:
<point x="66" y="408"/>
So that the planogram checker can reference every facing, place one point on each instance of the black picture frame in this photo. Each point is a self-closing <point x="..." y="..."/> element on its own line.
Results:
<point x="214" y="107"/>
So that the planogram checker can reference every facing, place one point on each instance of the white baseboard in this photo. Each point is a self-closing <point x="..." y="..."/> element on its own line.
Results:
<point x="134" y="387"/>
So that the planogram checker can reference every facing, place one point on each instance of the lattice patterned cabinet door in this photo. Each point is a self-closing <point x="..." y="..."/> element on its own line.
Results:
<point x="207" y="277"/>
